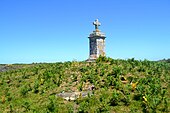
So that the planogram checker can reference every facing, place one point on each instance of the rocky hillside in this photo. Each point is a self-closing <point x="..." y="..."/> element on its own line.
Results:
<point x="107" y="85"/>
<point x="8" y="67"/>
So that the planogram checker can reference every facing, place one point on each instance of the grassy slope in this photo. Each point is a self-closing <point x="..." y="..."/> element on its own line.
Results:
<point x="32" y="88"/>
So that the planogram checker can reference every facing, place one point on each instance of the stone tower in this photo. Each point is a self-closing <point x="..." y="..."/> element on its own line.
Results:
<point x="96" y="42"/>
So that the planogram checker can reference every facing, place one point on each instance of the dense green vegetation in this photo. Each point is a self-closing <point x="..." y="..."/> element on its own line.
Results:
<point x="121" y="86"/>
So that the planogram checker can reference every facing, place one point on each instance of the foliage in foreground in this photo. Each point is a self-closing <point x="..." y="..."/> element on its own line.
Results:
<point x="120" y="86"/>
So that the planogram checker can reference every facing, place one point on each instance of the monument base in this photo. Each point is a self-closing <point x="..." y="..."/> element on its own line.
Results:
<point x="91" y="60"/>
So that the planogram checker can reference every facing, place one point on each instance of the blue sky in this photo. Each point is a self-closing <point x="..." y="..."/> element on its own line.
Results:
<point x="57" y="30"/>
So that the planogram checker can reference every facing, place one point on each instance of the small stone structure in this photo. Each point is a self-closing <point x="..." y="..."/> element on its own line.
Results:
<point x="96" y="43"/>
<point x="74" y="95"/>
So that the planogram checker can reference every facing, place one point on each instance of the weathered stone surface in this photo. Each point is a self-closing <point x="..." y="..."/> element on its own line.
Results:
<point x="73" y="95"/>
<point x="4" y="68"/>
<point x="96" y="43"/>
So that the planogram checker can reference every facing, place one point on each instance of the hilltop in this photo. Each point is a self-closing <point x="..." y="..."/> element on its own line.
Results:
<point x="118" y="86"/>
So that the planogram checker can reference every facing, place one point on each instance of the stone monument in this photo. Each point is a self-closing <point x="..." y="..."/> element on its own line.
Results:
<point x="96" y="43"/>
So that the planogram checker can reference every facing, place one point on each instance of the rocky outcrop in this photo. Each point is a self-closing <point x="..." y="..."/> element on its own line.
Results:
<point x="7" y="67"/>
<point x="74" y="95"/>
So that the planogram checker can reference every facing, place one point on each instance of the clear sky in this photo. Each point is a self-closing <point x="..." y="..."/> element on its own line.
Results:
<point x="57" y="30"/>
